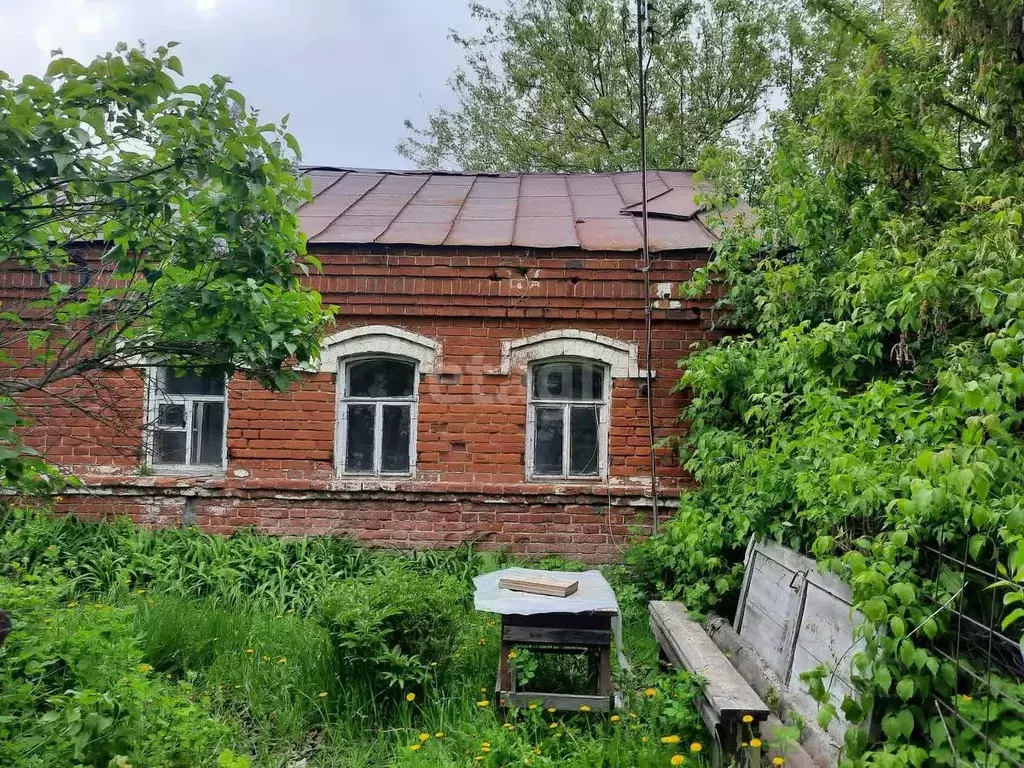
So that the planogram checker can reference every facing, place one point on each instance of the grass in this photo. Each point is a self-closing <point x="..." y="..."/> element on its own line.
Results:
<point x="318" y="651"/>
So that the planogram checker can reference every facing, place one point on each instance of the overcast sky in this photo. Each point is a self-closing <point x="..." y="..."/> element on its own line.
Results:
<point x="349" y="72"/>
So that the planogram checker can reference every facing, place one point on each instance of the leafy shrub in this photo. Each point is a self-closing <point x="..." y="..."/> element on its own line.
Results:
<point x="397" y="627"/>
<point x="74" y="690"/>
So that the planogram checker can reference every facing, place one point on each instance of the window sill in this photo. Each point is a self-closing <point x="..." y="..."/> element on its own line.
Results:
<point x="554" y="480"/>
<point x="178" y="471"/>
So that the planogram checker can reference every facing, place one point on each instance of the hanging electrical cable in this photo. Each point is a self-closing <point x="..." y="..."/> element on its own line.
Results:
<point x="641" y="29"/>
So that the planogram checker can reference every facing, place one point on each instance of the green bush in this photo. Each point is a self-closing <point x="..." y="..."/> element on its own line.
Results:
<point x="74" y="690"/>
<point x="397" y="628"/>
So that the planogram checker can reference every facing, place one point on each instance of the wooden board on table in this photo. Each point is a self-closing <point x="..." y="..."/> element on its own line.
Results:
<point x="540" y="585"/>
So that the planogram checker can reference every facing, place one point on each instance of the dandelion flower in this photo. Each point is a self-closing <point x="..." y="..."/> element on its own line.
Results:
<point x="485" y="749"/>
<point x="748" y="718"/>
<point x="965" y="697"/>
<point x="677" y="760"/>
<point x="512" y="655"/>
<point x="483" y="703"/>
<point x="145" y="668"/>
<point x="410" y="697"/>
<point x="755" y="743"/>
<point x="553" y="725"/>
<point x="72" y="604"/>
<point x="478" y="758"/>
<point x="696" y="747"/>
<point x="323" y="694"/>
<point x="424" y="736"/>
<point x="266" y="658"/>
<point x="584" y="708"/>
<point x="673" y="739"/>
<point x="536" y="750"/>
<point x="508" y="726"/>
<point x="414" y="747"/>
<point x="650" y="693"/>
<point x="615" y="718"/>
<point x="483" y="689"/>
<point x="552" y="709"/>
<point x="532" y="705"/>
<point x="482" y="641"/>
<point x="777" y="761"/>
<point x="439" y="735"/>
<point x="744" y="745"/>
<point x="643" y="739"/>
<point x="250" y="651"/>
<point x="485" y="744"/>
<point x="283" y="660"/>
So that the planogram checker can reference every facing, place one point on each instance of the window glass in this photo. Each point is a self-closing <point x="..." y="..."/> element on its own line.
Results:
<point x="395" y="438"/>
<point x="169" y="448"/>
<point x="547" y="443"/>
<point x="191" y="384"/>
<point x="568" y="381"/>
<point x="208" y="433"/>
<point x="381" y="378"/>
<point x="359" y="442"/>
<point x="583" y="440"/>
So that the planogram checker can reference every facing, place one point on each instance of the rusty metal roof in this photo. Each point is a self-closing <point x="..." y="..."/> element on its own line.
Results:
<point x="590" y="211"/>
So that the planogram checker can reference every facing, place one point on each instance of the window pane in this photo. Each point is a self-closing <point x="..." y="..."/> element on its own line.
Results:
<point x="395" y="438"/>
<point x="190" y="384"/>
<point x="583" y="440"/>
<point x="171" y="415"/>
<point x="380" y="378"/>
<point x="359" y="438"/>
<point x="168" y="447"/>
<point x="547" y="441"/>
<point x="568" y="381"/>
<point x="208" y="433"/>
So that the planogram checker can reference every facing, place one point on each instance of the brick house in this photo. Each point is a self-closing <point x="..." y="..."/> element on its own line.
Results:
<point x="485" y="381"/>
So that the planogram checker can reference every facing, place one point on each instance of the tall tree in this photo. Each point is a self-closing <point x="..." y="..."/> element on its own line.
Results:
<point x="553" y="85"/>
<point x="144" y="219"/>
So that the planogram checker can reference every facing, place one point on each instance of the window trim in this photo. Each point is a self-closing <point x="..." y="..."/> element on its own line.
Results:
<point x="342" y="401"/>
<point x="151" y="410"/>
<point x="603" y="422"/>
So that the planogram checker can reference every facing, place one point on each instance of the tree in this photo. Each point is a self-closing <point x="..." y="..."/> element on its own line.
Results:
<point x="553" y="86"/>
<point x="144" y="220"/>
<point x="873" y="414"/>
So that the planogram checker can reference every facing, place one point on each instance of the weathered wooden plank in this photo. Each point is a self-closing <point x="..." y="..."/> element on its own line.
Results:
<point x="563" y="702"/>
<point x="687" y="645"/>
<point x="541" y="585"/>
<point x="556" y="635"/>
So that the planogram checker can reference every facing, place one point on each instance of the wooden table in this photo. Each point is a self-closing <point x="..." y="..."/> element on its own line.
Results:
<point x="589" y="633"/>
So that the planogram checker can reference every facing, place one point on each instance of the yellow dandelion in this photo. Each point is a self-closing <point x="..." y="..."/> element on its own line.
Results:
<point x="584" y="708"/>
<point x="965" y="697"/>
<point x="673" y="739"/>
<point x="532" y="705"/>
<point x="483" y="689"/>
<point x="536" y="750"/>
<point x="250" y="651"/>
<point x="508" y="726"/>
<point x="615" y="718"/>
<point x="485" y="749"/>
<point x="744" y="745"/>
<point x="72" y="604"/>
<point x="643" y="739"/>
<point x="485" y="744"/>
<point x="145" y="668"/>
<point x="414" y="747"/>
<point x="650" y="693"/>
<point x="512" y="655"/>
<point x="677" y="760"/>
<point x="439" y="735"/>
<point x="266" y="658"/>
<point x="696" y="747"/>
<point x="483" y="703"/>
<point x="552" y="709"/>
<point x="323" y="694"/>
<point x="482" y="641"/>
<point x="553" y="725"/>
<point x="410" y="697"/>
<point x="424" y="736"/>
<point x="478" y="758"/>
<point x="755" y="743"/>
<point x="777" y="761"/>
<point x="748" y="718"/>
<point x="282" y="660"/>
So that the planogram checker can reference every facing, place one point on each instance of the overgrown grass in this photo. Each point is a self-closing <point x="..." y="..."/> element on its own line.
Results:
<point x="317" y="650"/>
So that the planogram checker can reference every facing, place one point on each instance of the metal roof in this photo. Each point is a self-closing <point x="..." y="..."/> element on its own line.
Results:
<point x="589" y="211"/>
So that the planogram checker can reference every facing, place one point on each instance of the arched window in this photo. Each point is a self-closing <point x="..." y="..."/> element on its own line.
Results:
<point x="377" y="410"/>
<point x="567" y="420"/>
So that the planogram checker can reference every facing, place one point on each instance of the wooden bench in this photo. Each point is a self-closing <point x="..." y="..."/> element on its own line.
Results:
<point x="727" y="696"/>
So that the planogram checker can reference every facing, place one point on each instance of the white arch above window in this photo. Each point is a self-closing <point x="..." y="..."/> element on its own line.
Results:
<point x="620" y="356"/>
<point x="379" y="340"/>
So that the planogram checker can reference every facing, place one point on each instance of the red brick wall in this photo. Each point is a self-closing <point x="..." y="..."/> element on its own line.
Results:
<point x="470" y="480"/>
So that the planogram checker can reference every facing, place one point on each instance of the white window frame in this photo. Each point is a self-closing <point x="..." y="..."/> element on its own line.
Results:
<point x="155" y="397"/>
<point x="603" y="418"/>
<point x="342" y="401"/>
